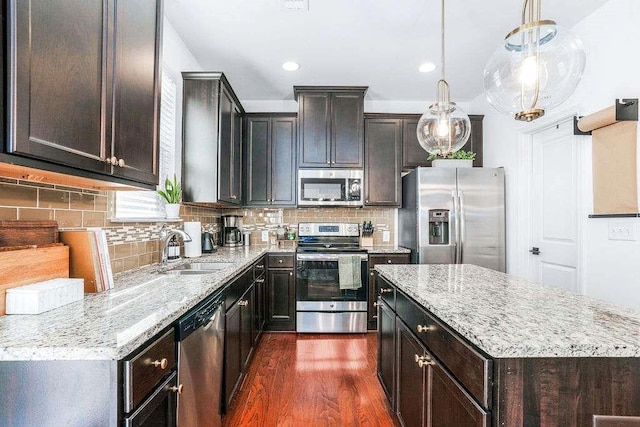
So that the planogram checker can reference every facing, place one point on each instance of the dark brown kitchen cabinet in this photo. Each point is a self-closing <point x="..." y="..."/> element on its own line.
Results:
<point x="270" y="160"/>
<point x="331" y="124"/>
<point x="374" y="288"/>
<point x="387" y="351"/>
<point x="281" y="295"/>
<point x="427" y="394"/>
<point x="238" y="339"/>
<point x="383" y="162"/>
<point x="86" y="77"/>
<point x="211" y="138"/>
<point x="413" y="155"/>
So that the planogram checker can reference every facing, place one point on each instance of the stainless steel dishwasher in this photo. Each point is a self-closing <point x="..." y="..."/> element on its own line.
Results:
<point x="200" y="362"/>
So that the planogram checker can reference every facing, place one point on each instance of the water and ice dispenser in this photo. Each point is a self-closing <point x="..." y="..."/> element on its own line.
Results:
<point x="438" y="226"/>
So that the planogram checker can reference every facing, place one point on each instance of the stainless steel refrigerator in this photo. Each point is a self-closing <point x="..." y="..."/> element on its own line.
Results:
<point x="454" y="216"/>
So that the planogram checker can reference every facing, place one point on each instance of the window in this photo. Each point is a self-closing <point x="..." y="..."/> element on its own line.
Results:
<point x="147" y="205"/>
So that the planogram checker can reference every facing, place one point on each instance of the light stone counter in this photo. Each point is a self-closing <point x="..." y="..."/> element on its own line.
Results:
<point x="110" y="325"/>
<point x="510" y="317"/>
<point x="388" y="250"/>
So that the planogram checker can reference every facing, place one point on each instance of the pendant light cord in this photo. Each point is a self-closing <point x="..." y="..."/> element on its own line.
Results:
<point x="442" y="41"/>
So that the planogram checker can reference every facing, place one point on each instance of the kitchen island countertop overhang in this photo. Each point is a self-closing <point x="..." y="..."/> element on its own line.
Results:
<point x="508" y="317"/>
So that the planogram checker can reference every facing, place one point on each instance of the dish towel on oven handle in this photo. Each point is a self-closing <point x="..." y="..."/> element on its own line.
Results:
<point x="349" y="272"/>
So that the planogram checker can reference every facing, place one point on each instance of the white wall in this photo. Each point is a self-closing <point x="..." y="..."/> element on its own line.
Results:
<point x="176" y="57"/>
<point x="610" y="36"/>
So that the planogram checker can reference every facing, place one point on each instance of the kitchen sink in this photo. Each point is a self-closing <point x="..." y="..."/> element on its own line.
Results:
<point x="199" y="268"/>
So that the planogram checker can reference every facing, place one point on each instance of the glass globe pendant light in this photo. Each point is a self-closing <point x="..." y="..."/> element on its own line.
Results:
<point x="445" y="128"/>
<point x="536" y="69"/>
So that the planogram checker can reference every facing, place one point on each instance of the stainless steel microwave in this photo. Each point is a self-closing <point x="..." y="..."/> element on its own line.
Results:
<point x="330" y="187"/>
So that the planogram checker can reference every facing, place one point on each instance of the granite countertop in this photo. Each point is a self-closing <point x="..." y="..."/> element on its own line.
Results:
<point x="388" y="250"/>
<point x="111" y="324"/>
<point x="510" y="317"/>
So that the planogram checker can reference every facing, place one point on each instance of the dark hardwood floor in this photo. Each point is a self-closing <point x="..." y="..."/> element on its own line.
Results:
<point x="312" y="380"/>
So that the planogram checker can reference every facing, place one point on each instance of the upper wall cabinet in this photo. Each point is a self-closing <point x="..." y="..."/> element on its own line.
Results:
<point x="413" y="155"/>
<point x="270" y="160"/>
<point x="212" y="140"/>
<point x="382" y="168"/>
<point x="83" y="93"/>
<point x="330" y="126"/>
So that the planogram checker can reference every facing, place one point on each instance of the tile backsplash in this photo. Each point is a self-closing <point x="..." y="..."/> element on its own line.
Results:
<point x="133" y="245"/>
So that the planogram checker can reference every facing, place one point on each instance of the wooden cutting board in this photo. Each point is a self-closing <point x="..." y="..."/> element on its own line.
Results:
<point x="18" y="233"/>
<point x="26" y="266"/>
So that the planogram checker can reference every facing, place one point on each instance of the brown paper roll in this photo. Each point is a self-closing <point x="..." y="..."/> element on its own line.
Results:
<point x="598" y="120"/>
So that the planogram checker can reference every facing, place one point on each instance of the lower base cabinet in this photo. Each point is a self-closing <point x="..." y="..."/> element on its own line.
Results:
<point x="412" y="399"/>
<point x="387" y="350"/>
<point x="281" y="293"/>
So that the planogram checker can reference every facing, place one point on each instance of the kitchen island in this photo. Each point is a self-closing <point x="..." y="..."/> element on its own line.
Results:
<point x="497" y="350"/>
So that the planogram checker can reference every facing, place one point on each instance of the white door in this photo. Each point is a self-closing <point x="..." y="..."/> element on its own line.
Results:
<point x="555" y="239"/>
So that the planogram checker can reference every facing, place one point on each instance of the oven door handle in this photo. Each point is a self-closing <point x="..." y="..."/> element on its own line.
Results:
<point x="328" y="257"/>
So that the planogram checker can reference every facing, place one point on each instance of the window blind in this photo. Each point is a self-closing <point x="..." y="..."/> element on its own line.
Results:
<point x="147" y="205"/>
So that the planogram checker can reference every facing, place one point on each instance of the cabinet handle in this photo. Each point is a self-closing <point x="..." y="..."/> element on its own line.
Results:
<point x="366" y="201"/>
<point x="374" y="317"/>
<point x="108" y="160"/>
<point x="114" y="160"/>
<point x="371" y="274"/>
<point x="243" y="303"/>
<point x="234" y="197"/>
<point x="385" y="290"/>
<point x="388" y="261"/>
<point x="279" y="261"/>
<point x="328" y="162"/>
<point x="260" y="266"/>
<point x="333" y="163"/>
<point x="177" y="389"/>
<point x="259" y="280"/>
<point x="375" y="304"/>
<point x="423" y="361"/>
<point x="422" y="328"/>
<point x="161" y="363"/>
<point x="121" y="163"/>
<point x="291" y="273"/>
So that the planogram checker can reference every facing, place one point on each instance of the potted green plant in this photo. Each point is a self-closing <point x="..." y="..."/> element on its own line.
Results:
<point x="172" y="195"/>
<point x="459" y="159"/>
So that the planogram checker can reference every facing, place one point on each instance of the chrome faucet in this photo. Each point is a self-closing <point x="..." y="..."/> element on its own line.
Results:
<point x="165" y="237"/>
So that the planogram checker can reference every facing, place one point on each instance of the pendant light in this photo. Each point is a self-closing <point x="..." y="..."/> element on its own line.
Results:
<point x="445" y="128"/>
<point x="536" y="69"/>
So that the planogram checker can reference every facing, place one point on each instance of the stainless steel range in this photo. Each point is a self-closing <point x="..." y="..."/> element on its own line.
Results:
<point x="331" y="279"/>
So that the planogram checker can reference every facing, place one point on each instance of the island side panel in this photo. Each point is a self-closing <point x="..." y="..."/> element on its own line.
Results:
<point x="59" y="393"/>
<point x="565" y="391"/>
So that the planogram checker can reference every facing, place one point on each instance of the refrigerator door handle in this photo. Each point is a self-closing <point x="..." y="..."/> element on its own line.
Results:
<point x="462" y="227"/>
<point x="456" y="232"/>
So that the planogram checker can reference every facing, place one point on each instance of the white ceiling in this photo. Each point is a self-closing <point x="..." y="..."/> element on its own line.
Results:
<point x="375" y="43"/>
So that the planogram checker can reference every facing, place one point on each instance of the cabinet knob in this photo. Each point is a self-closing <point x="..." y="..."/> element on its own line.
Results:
<point x="376" y="304"/>
<point x="366" y="201"/>
<point x="161" y="363"/>
<point x="385" y="290"/>
<point x="243" y="303"/>
<point x="260" y="266"/>
<point x="108" y="160"/>
<point x="291" y="273"/>
<point x="260" y="281"/>
<point x="114" y="160"/>
<point x="121" y="163"/>
<point x="177" y="389"/>
<point x="371" y="274"/>
<point x="279" y="261"/>
<point x="234" y="197"/>
<point x="328" y="162"/>
<point x="422" y="328"/>
<point x="423" y="361"/>
<point x="333" y="163"/>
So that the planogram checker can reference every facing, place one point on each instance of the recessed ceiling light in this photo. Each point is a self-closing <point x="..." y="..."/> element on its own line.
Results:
<point x="427" y="67"/>
<point x="290" y="66"/>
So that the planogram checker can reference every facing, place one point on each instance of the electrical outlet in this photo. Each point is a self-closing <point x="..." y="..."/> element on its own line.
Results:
<point x="386" y="236"/>
<point x="265" y="235"/>
<point x="622" y="230"/>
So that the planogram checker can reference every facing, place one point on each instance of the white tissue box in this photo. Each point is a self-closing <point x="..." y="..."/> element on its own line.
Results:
<point x="44" y="296"/>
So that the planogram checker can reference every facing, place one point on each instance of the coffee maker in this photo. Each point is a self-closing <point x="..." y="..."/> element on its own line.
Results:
<point x="231" y="230"/>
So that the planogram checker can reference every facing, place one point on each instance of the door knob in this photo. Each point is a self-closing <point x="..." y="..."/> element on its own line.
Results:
<point x="535" y="251"/>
